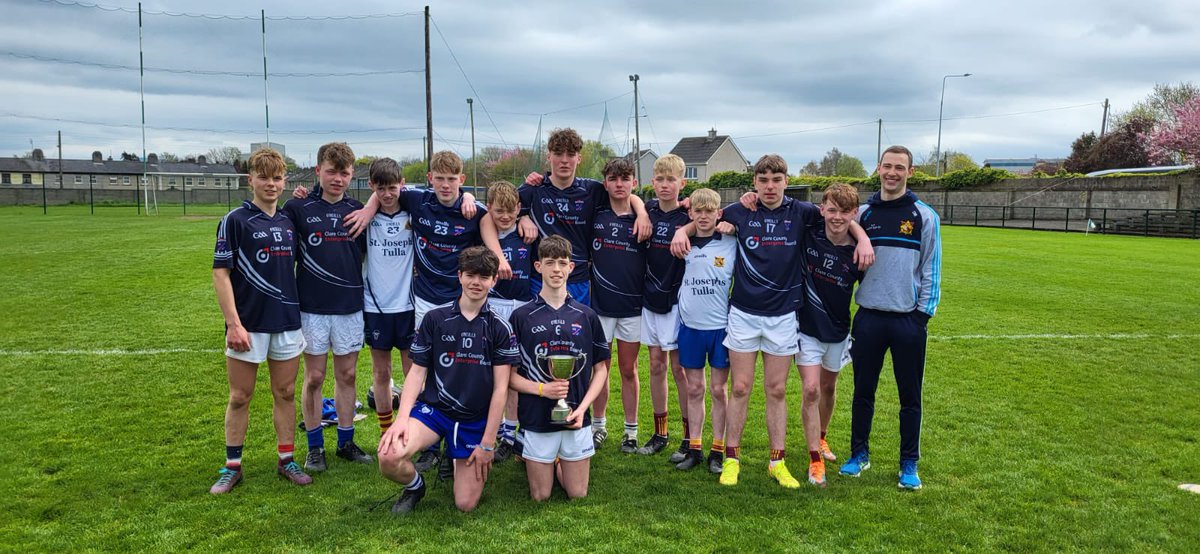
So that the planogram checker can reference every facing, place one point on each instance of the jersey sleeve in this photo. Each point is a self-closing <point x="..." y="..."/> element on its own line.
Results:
<point x="410" y="199"/>
<point x="504" y="344"/>
<point x="291" y="210"/>
<point x="527" y="195"/>
<point x="227" y="242"/>
<point x="600" y="199"/>
<point x="601" y="350"/>
<point x="422" y="346"/>
<point x="734" y="214"/>
<point x="809" y="213"/>
<point x="930" y="292"/>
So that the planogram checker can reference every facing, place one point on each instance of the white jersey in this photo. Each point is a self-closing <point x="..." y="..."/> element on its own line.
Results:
<point x="388" y="265"/>
<point x="707" y="276"/>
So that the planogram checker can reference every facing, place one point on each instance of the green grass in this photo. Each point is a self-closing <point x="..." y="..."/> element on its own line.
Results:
<point x="1030" y="444"/>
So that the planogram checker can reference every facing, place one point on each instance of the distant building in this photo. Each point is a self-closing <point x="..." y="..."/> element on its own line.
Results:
<point x="704" y="156"/>
<point x="644" y="164"/>
<point x="256" y="146"/>
<point x="100" y="173"/>
<point x="1021" y="166"/>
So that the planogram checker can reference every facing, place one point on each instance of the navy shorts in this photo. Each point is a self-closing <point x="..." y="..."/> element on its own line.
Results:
<point x="581" y="292"/>
<point x="388" y="331"/>
<point x="461" y="438"/>
<point x="695" y="346"/>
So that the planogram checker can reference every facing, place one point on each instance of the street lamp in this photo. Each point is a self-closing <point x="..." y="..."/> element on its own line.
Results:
<point x="637" y="134"/>
<point x="937" y="156"/>
<point x="474" y="168"/>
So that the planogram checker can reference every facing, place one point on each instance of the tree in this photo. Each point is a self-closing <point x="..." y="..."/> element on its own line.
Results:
<point x="415" y="172"/>
<point x="227" y="155"/>
<point x="952" y="160"/>
<point x="828" y="165"/>
<point x="810" y="168"/>
<point x="167" y="157"/>
<point x="595" y="154"/>
<point x="129" y="157"/>
<point x="1161" y="104"/>
<point x="849" y="166"/>
<point x="1079" y="150"/>
<point x="365" y="160"/>
<point x="1177" y="139"/>
<point x="1121" y="149"/>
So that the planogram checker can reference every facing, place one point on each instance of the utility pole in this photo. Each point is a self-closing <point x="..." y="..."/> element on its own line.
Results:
<point x="1104" y="122"/>
<point x="637" y="133"/>
<point x="474" y="164"/>
<point x="879" y="142"/>
<point x="938" y="153"/>
<point x="428" y="99"/>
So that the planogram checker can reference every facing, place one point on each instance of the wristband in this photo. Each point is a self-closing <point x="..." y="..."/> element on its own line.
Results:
<point x="539" y="389"/>
<point x="487" y="448"/>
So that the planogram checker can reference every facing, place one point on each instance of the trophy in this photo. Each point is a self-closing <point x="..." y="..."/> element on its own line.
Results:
<point x="562" y="366"/>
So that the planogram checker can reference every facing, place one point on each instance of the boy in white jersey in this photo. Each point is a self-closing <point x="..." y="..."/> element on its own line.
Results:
<point x="703" y="314"/>
<point x="387" y="284"/>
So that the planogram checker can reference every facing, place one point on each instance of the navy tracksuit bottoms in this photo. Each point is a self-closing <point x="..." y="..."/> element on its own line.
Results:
<point x="875" y="333"/>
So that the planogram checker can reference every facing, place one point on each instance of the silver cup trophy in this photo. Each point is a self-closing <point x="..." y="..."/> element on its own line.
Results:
<point x="562" y="366"/>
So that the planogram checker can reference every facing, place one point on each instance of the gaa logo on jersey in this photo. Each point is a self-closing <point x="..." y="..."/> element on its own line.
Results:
<point x="446" y="359"/>
<point x="263" y="255"/>
<point x="752" y="242"/>
<point x="315" y="239"/>
<point x="576" y="329"/>
<point x="596" y="244"/>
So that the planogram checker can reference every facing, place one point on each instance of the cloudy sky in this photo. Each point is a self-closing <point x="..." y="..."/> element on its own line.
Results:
<point x="797" y="78"/>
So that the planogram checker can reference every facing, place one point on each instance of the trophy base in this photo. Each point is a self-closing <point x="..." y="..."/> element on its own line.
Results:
<point x="558" y="416"/>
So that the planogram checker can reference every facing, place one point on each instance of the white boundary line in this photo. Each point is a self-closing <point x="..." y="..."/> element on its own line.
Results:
<point x="110" y="352"/>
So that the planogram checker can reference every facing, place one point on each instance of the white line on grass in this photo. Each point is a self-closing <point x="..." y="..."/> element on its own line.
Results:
<point x="110" y="352"/>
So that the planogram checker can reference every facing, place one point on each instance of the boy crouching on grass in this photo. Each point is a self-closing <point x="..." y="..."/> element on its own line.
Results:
<point x="455" y="389"/>
<point x="256" y="290"/>
<point x="556" y="324"/>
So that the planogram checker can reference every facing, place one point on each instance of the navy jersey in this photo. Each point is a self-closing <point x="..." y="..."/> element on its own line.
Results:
<point x="618" y="265"/>
<point x="765" y="280"/>
<point x="329" y="267"/>
<point x="442" y="232"/>
<point x="829" y="275"/>
<point x="567" y="212"/>
<point x="520" y="260"/>
<point x="259" y="251"/>
<point x="542" y="330"/>
<point x="459" y="355"/>
<point x="664" y="271"/>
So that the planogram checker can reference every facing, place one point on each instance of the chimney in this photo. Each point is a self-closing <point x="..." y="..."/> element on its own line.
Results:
<point x="38" y="155"/>
<point x="712" y="135"/>
<point x="201" y="160"/>
<point x="97" y="157"/>
<point x="152" y="158"/>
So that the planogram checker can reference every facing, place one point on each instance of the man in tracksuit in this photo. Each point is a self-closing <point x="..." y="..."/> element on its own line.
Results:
<point x="897" y="297"/>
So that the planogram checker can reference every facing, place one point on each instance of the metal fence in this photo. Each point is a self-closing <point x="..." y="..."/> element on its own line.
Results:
<point x="1118" y="221"/>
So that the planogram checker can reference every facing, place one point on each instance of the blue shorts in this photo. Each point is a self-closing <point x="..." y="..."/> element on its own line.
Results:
<point x="581" y="292"/>
<point x="695" y="346"/>
<point x="461" y="437"/>
<point x="388" y="331"/>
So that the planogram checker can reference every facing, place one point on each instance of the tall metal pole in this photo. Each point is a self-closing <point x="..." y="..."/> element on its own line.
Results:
<point x="266" y="106"/>
<point x="937" y="155"/>
<point x="474" y="164"/>
<point x="879" y="142"/>
<point x="428" y="99"/>
<point x="637" y="133"/>
<point x="1104" y="122"/>
<point x="137" y="191"/>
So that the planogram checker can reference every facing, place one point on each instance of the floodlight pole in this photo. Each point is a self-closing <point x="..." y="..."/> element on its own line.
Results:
<point x="937" y="155"/>
<point x="637" y="134"/>
<point x="474" y="165"/>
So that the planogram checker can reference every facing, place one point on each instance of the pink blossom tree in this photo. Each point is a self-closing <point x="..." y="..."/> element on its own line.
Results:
<point x="1178" y="140"/>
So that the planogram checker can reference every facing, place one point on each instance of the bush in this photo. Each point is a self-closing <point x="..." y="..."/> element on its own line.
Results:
<point x="918" y="178"/>
<point x="973" y="177"/>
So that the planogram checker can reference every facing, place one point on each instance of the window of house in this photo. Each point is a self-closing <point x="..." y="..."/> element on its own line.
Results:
<point x="26" y="178"/>
<point x="171" y="181"/>
<point x="112" y="180"/>
<point x="689" y="173"/>
<point x="79" y="179"/>
<point x="125" y="180"/>
<point x="200" y="181"/>
<point x="187" y="181"/>
<point x="5" y="179"/>
<point x="92" y="179"/>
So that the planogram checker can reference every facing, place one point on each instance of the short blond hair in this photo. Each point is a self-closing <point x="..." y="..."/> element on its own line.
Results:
<point x="267" y="162"/>
<point x="669" y="164"/>
<point x="503" y="195"/>
<point x="446" y="162"/>
<point x="705" y="199"/>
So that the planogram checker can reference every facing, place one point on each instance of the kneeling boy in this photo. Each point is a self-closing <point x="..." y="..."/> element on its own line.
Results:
<point x="455" y="389"/>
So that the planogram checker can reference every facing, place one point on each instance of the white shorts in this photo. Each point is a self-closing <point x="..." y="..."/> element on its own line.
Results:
<point x="774" y="335"/>
<point x="832" y="356"/>
<point x="661" y="330"/>
<point x="422" y="307"/>
<point x="570" y="445"/>
<point x="276" y="346"/>
<point x="503" y="308"/>
<point x="342" y="332"/>
<point x="628" y="329"/>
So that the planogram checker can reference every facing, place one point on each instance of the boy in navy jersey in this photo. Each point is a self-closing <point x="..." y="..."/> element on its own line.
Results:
<point x="329" y="276"/>
<point x="618" y="274"/>
<point x="559" y="203"/>
<point x="766" y="294"/>
<point x="504" y="206"/>
<point x="553" y="324"/>
<point x="829" y="276"/>
<point x="256" y="289"/>
<point x="660" y="316"/>
<point x="703" y="315"/>
<point x="387" y="282"/>
<point x="455" y="389"/>
<point x="896" y="299"/>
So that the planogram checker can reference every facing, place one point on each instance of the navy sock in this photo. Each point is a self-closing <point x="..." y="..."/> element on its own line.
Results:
<point x="316" y="438"/>
<point x="345" y="435"/>
<point x="233" y="455"/>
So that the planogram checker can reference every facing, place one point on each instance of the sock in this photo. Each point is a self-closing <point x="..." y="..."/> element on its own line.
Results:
<point x="694" y="444"/>
<point x="777" y="456"/>
<point x="732" y="451"/>
<point x="686" y="430"/>
<point x="631" y="430"/>
<point x="660" y="424"/>
<point x="508" y="431"/>
<point x="285" y="453"/>
<point x="598" y="422"/>
<point x="386" y="419"/>
<point x="345" y="435"/>
<point x="416" y="483"/>
<point x="233" y="456"/>
<point x="822" y="435"/>
<point x="718" y="445"/>
<point x="316" y="438"/>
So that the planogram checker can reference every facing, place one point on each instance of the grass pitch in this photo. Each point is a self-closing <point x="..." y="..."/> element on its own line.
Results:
<point x="1060" y="414"/>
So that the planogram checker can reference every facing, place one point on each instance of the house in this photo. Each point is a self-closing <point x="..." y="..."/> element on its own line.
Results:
<point x="1021" y="166"/>
<point x="644" y="165"/>
<point x="100" y="173"/>
<point x="704" y="156"/>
